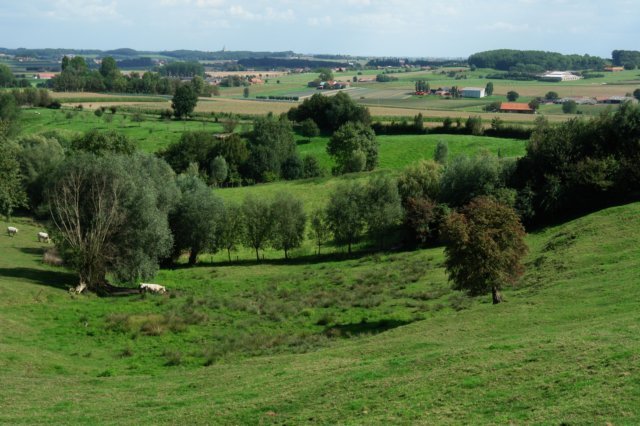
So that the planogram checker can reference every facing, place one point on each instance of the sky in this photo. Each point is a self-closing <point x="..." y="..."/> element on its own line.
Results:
<point x="411" y="28"/>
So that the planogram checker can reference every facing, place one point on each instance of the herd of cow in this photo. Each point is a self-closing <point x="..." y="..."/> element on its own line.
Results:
<point x="43" y="237"/>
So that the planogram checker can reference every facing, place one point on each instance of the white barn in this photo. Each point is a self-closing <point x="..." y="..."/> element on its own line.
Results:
<point x="560" y="76"/>
<point x="473" y="92"/>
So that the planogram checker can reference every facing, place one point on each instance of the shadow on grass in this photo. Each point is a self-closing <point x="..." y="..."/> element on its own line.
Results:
<point x="363" y="327"/>
<point x="56" y="279"/>
<point x="36" y="251"/>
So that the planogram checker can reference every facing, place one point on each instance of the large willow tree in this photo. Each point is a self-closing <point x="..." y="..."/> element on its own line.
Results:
<point x="110" y="216"/>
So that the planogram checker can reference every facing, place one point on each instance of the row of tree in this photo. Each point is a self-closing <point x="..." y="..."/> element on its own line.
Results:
<point x="531" y="61"/>
<point x="77" y="76"/>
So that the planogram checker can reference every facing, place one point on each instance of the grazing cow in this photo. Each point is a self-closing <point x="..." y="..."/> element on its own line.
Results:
<point x="153" y="288"/>
<point x="43" y="237"/>
<point x="12" y="230"/>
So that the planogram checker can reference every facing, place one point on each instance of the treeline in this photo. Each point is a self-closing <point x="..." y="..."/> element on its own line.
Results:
<point x="76" y="76"/>
<point x="400" y="62"/>
<point x="627" y="58"/>
<point x="265" y="154"/>
<point x="473" y="125"/>
<point x="281" y="63"/>
<point x="515" y="60"/>
<point x="182" y="69"/>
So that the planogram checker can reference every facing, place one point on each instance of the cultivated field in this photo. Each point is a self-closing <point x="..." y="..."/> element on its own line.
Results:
<point x="391" y="99"/>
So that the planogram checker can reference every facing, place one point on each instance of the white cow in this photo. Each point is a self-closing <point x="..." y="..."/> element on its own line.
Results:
<point x="43" y="237"/>
<point x="12" y="230"/>
<point x="153" y="288"/>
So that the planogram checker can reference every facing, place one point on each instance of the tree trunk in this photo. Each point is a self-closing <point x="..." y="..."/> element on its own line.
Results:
<point x="495" y="293"/>
<point x="349" y="247"/>
<point x="257" y="255"/>
<point x="193" y="257"/>
<point x="229" y="254"/>
<point x="286" y="255"/>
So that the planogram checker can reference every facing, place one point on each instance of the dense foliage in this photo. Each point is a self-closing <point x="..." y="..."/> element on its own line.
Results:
<point x="484" y="247"/>
<point x="580" y="165"/>
<point x="330" y="112"/>
<point x="536" y="60"/>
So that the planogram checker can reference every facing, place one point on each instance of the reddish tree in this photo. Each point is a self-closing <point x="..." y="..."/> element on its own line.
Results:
<point x="484" y="247"/>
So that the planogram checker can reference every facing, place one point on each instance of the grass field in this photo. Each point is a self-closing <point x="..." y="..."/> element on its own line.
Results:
<point x="374" y="339"/>
<point x="149" y="135"/>
<point x="392" y="99"/>
<point x="395" y="153"/>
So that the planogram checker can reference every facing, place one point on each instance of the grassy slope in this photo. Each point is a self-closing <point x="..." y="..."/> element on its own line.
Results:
<point x="563" y="348"/>
<point x="395" y="152"/>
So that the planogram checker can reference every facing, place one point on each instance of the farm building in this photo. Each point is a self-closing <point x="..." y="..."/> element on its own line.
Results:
<point x="473" y="92"/>
<point x="560" y="76"/>
<point x="45" y="75"/>
<point x="616" y="99"/>
<point x="517" y="107"/>
<point x="614" y="69"/>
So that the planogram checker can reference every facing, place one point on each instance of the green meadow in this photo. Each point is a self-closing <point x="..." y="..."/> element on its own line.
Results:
<point x="370" y="339"/>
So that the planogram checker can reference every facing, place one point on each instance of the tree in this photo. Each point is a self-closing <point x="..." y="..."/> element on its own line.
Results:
<point x="344" y="213"/>
<point x="258" y="223"/>
<point x="319" y="232"/>
<point x="192" y="147"/>
<point x="9" y="115"/>
<point x="325" y="74"/>
<point x="636" y="94"/>
<point x="441" y="153"/>
<point x="292" y="168"/>
<point x="352" y="138"/>
<point x="12" y="194"/>
<point x="484" y="247"/>
<point x="110" y="216"/>
<point x="534" y="104"/>
<point x="197" y="218"/>
<point x="381" y="204"/>
<point x="309" y="128"/>
<point x="474" y="125"/>
<point x="468" y="177"/>
<point x="551" y="96"/>
<point x="289" y="222"/>
<point x="418" y="123"/>
<point x="218" y="170"/>
<point x="245" y="92"/>
<point x="311" y="166"/>
<point x="232" y="228"/>
<point x="101" y="143"/>
<point x="272" y="142"/>
<point x="489" y="89"/>
<point x="39" y="156"/>
<point x="330" y="112"/>
<point x="420" y="180"/>
<point x="6" y="76"/>
<point x="184" y="101"/>
<point x="512" y="96"/>
<point x="569" y="107"/>
<point x="198" y="85"/>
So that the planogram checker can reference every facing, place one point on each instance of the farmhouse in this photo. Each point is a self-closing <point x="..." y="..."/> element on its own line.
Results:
<point x="45" y="76"/>
<point x="614" y="69"/>
<point x="560" y="76"/>
<point x="473" y="92"/>
<point x="517" y="107"/>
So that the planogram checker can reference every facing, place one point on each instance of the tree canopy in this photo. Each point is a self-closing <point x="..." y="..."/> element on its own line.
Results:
<point x="484" y="247"/>
<point x="110" y="216"/>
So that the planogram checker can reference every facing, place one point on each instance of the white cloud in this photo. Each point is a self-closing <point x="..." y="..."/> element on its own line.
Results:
<point x="89" y="9"/>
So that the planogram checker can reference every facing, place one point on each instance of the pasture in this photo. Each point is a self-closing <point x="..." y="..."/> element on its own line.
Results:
<point x="390" y="99"/>
<point x="374" y="339"/>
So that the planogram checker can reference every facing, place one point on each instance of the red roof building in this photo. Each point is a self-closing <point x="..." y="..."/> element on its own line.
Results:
<point x="517" y="107"/>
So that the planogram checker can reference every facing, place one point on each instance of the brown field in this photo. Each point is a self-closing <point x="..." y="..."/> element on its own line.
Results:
<point x="141" y="105"/>
<point x="265" y="74"/>
<point x="75" y="95"/>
